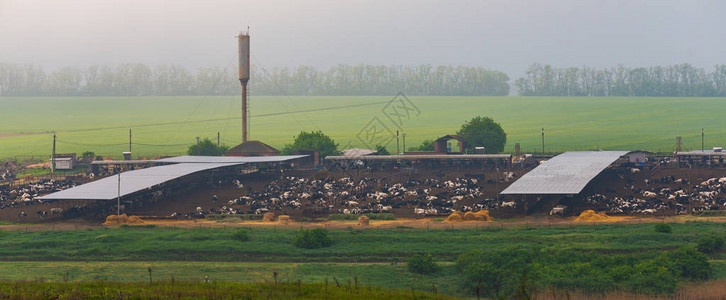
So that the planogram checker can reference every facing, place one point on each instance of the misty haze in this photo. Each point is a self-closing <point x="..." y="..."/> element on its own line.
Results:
<point x="362" y="149"/>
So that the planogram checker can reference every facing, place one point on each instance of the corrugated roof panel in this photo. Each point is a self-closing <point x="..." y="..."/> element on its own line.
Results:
<point x="131" y="181"/>
<point x="566" y="174"/>
<point x="229" y="159"/>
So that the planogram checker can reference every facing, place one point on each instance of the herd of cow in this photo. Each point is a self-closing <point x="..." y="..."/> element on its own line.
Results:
<point x="25" y="195"/>
<point x="665" y="195"/>
<point x="417" y="197"/>
<point x="365" y="195"/>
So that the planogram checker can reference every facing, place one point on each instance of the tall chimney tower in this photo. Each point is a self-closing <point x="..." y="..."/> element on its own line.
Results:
<point x="244" y="76"/>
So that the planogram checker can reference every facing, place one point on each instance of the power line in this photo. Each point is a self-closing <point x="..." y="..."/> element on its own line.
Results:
<point x="229" y="118"/>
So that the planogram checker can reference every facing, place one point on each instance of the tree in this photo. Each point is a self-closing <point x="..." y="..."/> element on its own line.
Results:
<point x="483" y="131"/>
<point x="422" y="264"/>
<point x="381" y="150"/>
<point x="315" y="140"/>
<point x="426" y="145"/>
<point x="207" y="148"/>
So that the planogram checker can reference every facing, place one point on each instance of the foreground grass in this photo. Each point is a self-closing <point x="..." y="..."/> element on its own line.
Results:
<point x="371" y="257"/>
<point x="382" y="275"/>
<point x="349" y="245"/>
<point x="204" y="290"/>
<point x="367" y="274"/>
<point x="571" y="123"/>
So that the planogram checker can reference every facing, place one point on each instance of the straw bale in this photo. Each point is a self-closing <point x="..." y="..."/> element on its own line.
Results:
<point x="134" y="220"/>
<point x="364" y="221"/>
<point x="482" y="215"/>
<point x="283" y="219"/>
<point x="455" y="217"/>
<point x="269" y="217"/>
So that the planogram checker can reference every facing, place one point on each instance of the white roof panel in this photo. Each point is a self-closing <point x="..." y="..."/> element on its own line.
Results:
<point x="566" y="174"/>
<point x="229" y="159"/>
<point x="131" y="181"/>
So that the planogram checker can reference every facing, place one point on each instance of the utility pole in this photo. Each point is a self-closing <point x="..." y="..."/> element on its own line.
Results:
<point x="543" y="141"/>
<point x="197" y="146"/>
<point x="702" y="148"/>
<point x="118" y="197"/>
<point x="398" y="151"/>
<point x="52" y="157"/>
<point x="404" y="142"/>
<point x="217" y="139"/>
<point x="129" y="140"/>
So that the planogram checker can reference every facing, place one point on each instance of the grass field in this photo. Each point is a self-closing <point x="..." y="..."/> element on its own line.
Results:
<point x="351" y="245"/>
<point x="373" y="257"/>
<point x="203" y="290"/>
<point x="167" y="125"/>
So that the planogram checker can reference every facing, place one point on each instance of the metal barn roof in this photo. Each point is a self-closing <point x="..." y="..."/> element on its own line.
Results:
<point x="702" y="153"/>
<point x="565" y="174"/>
<point x="131" y="182"/>
<point x="421" y="156"/>
<point x="229" y="159"/>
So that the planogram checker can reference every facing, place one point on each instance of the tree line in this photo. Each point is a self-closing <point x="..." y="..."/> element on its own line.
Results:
<point x="681" y="80"/>
<point x="173" y="80"/>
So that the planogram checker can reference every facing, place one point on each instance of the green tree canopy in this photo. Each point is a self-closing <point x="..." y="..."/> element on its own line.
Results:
<point x="207" y="148"/>
<point x="381" y="150"/>
<point x="483" y="131"/>
<point x="315" y="140"/>
<point x="426" y="145"/>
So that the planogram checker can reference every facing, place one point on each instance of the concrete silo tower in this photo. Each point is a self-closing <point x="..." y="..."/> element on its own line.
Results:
<point x="244" y="76"/>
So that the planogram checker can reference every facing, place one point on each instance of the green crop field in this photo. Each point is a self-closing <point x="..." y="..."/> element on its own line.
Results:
<point x="167" y="125"/>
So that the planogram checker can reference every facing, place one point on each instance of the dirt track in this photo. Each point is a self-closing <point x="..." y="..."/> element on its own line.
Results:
<point x="428" y="223"/>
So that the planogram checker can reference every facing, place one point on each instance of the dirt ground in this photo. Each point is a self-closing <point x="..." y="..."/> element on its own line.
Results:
<point x="608" y="183"/>
<point x="428" y="223"/>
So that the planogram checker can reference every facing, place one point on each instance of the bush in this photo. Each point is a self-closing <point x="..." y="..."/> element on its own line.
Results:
<point x="710" y="243"/>
<point x="689" y="263"/>
<point x="663" y="227"/>
<point x="422" y="264"/>
<point x="312" y="239"/>
<point x="241" y="235"/>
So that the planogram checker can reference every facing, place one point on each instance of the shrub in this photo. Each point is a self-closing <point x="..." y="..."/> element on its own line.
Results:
<point x="422" y="264"/>
<point x="312" y="239"/>
<point x="663" y="227"/>
<point x="689" y="263"/>
<point x="241" y="235"/>
<point x="710" y="243"/>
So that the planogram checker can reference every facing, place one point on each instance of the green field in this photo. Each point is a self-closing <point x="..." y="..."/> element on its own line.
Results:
<point x="374" y="257"/>
<point x="167" y="125"/>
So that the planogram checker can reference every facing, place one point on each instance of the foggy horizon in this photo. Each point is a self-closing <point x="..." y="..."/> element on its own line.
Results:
<point x="496" y="35"/>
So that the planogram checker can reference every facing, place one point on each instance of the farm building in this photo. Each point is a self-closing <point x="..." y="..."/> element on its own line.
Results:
<point x="639" y="156"/>
<point x="252" y="148"/>
<point x="355" y="152"/>
<point x="416" y="161"/>
<point x="65" y="161"/>
<point x="564" y="174"/>
<point x="713" y="157"/>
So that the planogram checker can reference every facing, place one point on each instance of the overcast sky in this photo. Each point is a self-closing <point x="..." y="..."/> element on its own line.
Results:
<point x="502" y="35"/>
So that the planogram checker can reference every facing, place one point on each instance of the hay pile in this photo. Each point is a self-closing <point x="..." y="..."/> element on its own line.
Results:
<point x="591" y="216"/>
<point x="482" y="215"/>
<point x="122" y="219"/>
<point x="364" y="221"/>
<point x="455" y="217"/>
<point x="283" y="219"/>
<point x="269" y="217"/>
